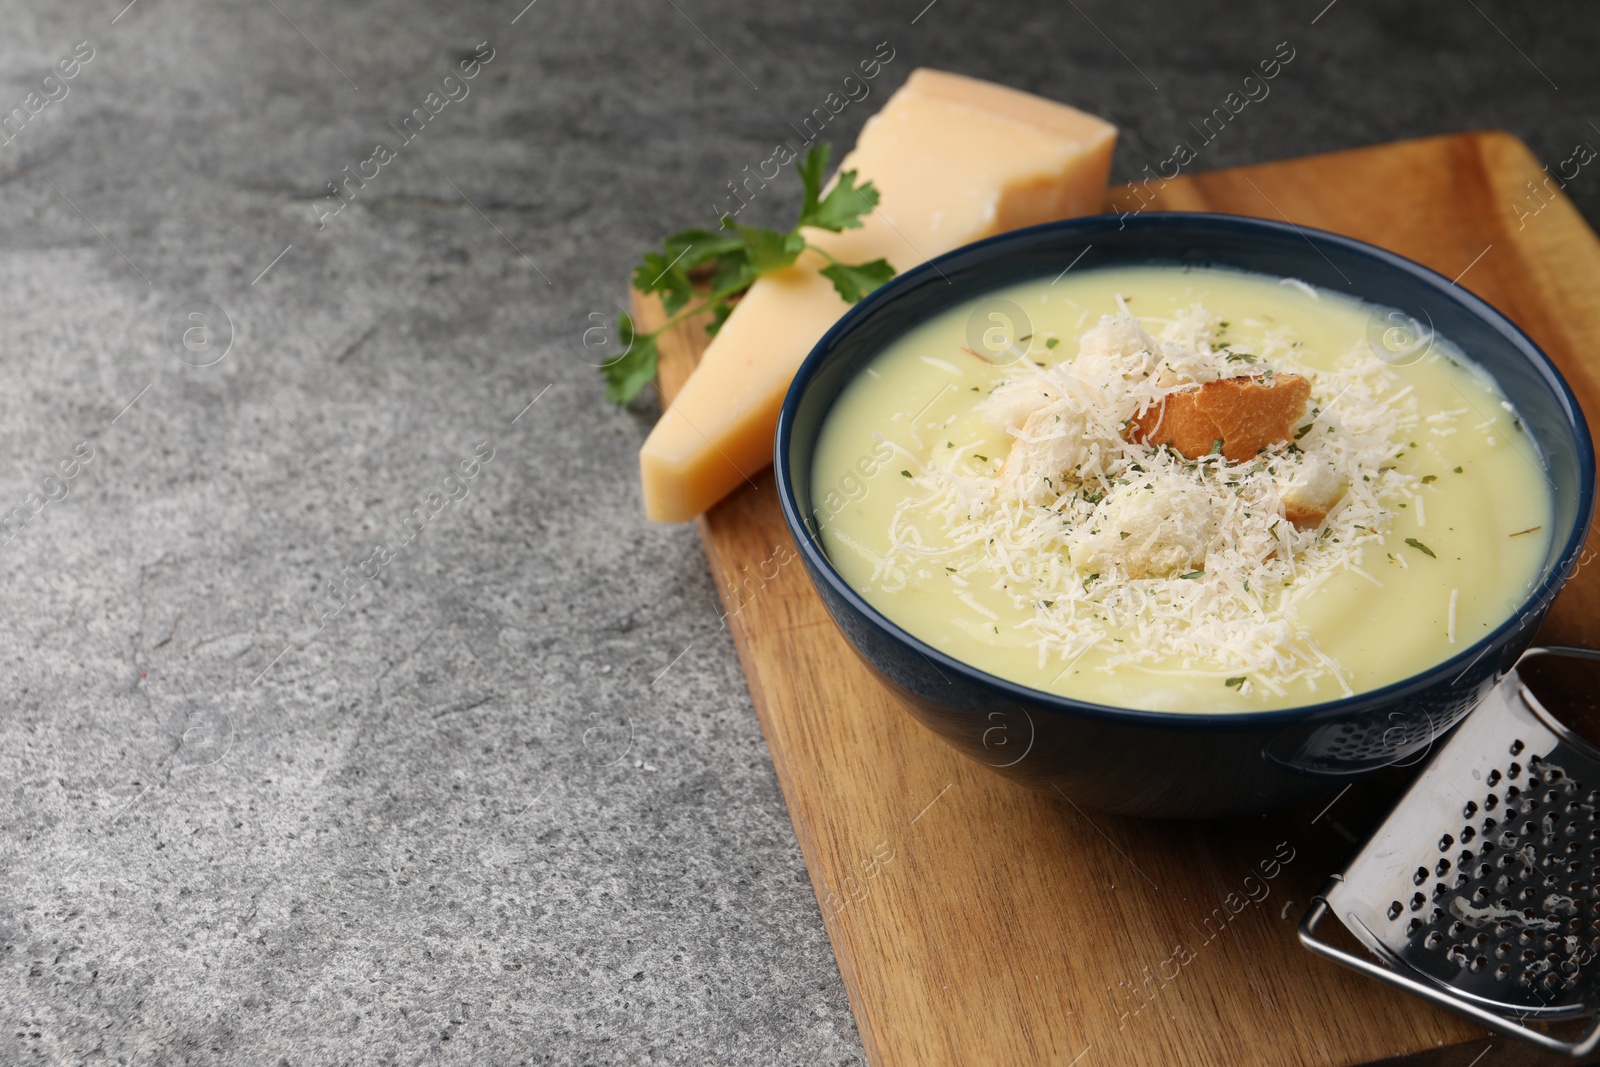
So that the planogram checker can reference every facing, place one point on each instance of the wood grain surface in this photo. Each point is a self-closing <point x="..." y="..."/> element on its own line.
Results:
<point x="976" y="921"/>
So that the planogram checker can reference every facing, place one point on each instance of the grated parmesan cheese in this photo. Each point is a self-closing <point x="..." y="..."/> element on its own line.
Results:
<point x="1189" y="564"/>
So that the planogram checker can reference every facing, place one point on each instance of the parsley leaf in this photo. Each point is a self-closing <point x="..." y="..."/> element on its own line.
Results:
<point x="854" y="282"/>
<point x="766" y="249"/>
<point x="845" y="203"/>
<point x="668" y="272"/>
<point x="657" y="274"/>
<point x="719" y="315"/>
<point x="811" y="169"/>
<point x="1420" y="547"/>
<point x="1234" y="683"/>
<point x="719" y="265"/>
<point x="630" y="372"/>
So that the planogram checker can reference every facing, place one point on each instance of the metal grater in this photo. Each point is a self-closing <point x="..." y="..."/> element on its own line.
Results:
<point x="1481" y="890"/>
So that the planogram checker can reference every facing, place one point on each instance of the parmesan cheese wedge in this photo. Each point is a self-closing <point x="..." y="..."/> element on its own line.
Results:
<point x="954" y="160"/>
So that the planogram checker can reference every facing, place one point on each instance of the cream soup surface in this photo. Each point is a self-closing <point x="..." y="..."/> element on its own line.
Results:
<point x="975" y="483"/>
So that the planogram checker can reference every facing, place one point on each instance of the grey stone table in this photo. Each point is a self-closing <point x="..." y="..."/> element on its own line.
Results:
<point x="502" y="797"/>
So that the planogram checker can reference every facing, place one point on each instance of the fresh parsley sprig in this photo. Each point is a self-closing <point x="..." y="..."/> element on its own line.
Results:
<point x="727" y="260"/>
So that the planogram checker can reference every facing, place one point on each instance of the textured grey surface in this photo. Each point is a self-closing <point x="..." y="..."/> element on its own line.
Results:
<point x="511" y="804"/>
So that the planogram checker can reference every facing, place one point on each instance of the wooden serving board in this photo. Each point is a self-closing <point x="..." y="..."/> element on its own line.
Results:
<point x="976" y="921"/>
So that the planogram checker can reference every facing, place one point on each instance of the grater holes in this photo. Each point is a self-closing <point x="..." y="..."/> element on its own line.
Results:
<point x="1517" y="747"/>
<point x="1421" y="875"/>
<point x="1534" y="866"/>
<point x="1394" y="910"/>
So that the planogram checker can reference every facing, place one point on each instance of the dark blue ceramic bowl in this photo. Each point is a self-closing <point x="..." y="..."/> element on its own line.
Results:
<point x="1161" y="763"/>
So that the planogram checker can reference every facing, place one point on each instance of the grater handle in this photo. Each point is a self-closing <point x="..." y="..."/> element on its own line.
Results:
<point x="1369" y="966"/>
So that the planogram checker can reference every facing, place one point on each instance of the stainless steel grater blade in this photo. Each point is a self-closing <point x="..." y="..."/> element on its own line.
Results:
<point x="1481" y="890"/>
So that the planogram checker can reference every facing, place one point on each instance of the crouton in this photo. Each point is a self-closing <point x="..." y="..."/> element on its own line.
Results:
<point x="1311" y="493"/>
<point x="1244" y="415"/>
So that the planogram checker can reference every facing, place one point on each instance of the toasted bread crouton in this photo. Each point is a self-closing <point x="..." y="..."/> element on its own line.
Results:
<point x="1304" y="516"/>
<point x="1311" y="493"/>
<point x="1050" y="452"/>
<point x="1245" y="414"/>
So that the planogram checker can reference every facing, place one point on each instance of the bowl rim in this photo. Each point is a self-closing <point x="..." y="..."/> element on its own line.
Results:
<point x="1535" y="602"/>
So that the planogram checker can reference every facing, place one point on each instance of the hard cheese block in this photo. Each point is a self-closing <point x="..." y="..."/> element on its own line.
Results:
<point x="954" y="159"/>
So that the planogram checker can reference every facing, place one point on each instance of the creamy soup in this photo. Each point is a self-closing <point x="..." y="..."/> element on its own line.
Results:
<point x="1182" y="489"/>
